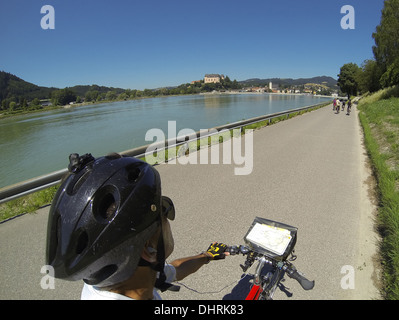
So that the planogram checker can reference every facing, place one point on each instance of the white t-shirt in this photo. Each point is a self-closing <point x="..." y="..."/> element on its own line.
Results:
<point x="94" y="293"/>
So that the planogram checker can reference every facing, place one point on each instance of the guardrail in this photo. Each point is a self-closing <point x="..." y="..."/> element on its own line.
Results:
<point x="36" y="184"/>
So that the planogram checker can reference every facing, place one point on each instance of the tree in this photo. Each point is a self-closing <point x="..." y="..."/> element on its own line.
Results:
<point x="111" y="95"/>
<point x="12" y="106"/>
<point x="386" y="49"/>
<point x="235" y="85"/>
<point x="91" y="95"/>
<point x="3" y="105"/>
<point x="391" y="76"/>
<point x="62" y="97"/>
<point x="348" y="79"/>
<point x="123" y="96"/>
<point x="370" y="76"/>
<point x="24" y="103"/>
<point x="148" y="93"/>
<point x="35" y="103"/>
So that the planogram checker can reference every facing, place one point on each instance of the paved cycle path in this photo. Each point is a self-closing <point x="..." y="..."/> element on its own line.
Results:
<point x="309" y="172"/>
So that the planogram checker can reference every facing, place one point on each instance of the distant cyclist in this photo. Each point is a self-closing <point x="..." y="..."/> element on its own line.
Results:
<point x="338" y="106"/>
<point x="349" y="107"/>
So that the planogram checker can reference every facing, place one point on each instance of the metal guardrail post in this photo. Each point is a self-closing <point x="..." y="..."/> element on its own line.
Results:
<point x="36" y="184"/>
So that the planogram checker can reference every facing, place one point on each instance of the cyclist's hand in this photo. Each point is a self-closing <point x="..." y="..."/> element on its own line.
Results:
<point x="216" y="251"/>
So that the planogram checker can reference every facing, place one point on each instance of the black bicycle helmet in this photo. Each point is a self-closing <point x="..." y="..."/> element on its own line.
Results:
<point x="102" y="215"/>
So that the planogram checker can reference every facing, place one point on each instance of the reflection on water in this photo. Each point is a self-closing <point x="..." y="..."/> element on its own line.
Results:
<point x="36" y="144"/>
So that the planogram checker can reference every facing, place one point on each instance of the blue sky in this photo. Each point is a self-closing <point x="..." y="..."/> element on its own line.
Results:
<point x="154" y="43"/>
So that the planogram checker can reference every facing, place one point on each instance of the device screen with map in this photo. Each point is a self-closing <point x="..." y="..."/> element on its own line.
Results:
<point x="271" y="238"/>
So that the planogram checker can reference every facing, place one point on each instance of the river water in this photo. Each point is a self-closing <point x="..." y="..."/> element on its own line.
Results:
<point x="35" y="144"/>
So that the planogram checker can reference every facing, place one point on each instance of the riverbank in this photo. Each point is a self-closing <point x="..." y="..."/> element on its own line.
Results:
<point x="83" y="104"/>
<point x="92" y="103"/>
<point x="68" y="106"/>
<point x="269" y="93"/>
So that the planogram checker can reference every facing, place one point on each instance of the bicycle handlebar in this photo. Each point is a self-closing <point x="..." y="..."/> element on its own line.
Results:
<point x="233" y="250"/>
<point x="305" y="283"/>
<point x="291" y="271"/>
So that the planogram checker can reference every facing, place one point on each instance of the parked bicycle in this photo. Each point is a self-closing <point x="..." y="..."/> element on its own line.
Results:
<point x="269" y="243"/>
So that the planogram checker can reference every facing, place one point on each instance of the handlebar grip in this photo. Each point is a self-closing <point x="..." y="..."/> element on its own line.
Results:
<point x="305" y="283"/>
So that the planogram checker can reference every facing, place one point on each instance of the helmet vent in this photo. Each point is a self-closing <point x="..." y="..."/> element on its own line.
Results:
<point x="54" y="238"/>
<point x="105" y="204"/>
<point x="101" y="274"/>
<point x="133" y="172"/>
<point x="83" y="241"/>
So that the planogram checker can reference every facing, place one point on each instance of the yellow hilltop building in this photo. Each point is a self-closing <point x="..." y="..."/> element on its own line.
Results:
<point x="213" y="78"/>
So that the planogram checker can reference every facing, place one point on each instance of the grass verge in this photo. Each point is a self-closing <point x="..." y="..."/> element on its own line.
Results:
<point x="27" y="204"/>
<point x="379" y="116"/>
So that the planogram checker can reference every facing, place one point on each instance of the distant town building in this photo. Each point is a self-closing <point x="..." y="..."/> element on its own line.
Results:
<point x="213" y="78"/>
<point x="274" y="87"/>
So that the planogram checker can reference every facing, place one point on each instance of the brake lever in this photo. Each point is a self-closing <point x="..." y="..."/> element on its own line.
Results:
<point x="248" y="262"/>
<point x="293" y="256"/>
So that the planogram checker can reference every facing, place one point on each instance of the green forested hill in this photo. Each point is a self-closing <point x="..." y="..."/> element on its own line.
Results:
<point x="15" y="89"/>
<point x="16" y="93"/>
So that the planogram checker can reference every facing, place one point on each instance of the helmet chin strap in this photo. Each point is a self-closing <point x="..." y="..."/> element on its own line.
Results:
<point x="161" y="283"/>
<point x="159" y="266"/>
